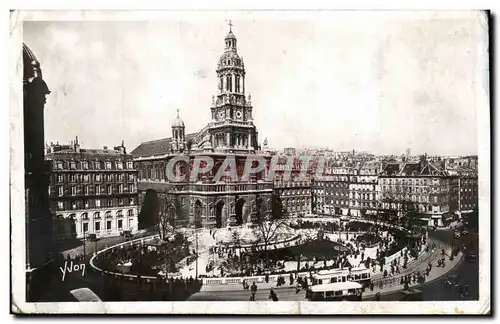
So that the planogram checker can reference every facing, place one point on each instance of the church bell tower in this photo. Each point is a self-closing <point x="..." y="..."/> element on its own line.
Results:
<point x="232" y="121"/>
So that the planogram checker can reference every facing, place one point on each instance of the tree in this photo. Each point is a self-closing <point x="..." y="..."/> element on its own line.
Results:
<point x="235" y="238"/>
<point x="267" y="231"/>
<point x="411" y="214"/>
<point x="277" y="209"/>
<point x="172" y="215"/>
<point x="149" y="215"/>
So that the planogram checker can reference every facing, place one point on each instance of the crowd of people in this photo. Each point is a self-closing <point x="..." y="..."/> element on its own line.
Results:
<point x="143" y="258"/>
<point x="332" y="255"/>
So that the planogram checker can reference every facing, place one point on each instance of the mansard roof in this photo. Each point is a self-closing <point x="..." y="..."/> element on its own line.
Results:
<point x="87" y="154"/>
<point x="409" y="169"/>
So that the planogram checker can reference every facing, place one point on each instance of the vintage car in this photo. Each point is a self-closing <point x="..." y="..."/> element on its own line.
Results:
<point x="84" y="295"/>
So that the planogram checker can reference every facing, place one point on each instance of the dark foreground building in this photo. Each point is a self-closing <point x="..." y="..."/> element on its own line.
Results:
<point x="39" y="238"/>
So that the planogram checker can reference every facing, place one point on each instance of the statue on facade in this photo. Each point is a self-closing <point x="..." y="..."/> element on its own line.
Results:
<point x="207" y="141"/>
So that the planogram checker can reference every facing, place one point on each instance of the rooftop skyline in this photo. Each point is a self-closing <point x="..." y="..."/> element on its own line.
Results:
<point x="402" y="83"/>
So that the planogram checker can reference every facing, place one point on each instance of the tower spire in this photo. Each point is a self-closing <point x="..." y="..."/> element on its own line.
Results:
<point x="177" y="112"/>
<point x="230" y="25"/>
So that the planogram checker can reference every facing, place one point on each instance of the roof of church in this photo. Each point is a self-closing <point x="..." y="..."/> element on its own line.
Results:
<point x="157" y="147"/>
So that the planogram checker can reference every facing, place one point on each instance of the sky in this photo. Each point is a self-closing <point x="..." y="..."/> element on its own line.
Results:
<point x="367" y="81"/>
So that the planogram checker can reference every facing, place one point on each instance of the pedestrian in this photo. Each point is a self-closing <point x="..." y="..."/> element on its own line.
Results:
<point x="272" y="295"/>
<point x="253" y="290"/>
<point x="244" y="284"/>
<point x="297" y="287"/>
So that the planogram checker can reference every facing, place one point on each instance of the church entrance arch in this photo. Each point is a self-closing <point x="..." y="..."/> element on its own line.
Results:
<point x="198" y="207"/>
<point x="220" y="217"/>
<point x="241" y="211"/>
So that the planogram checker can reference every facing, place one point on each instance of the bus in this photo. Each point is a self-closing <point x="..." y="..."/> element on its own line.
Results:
<point x="360" y="275"/>
<point x="340" y="291"/>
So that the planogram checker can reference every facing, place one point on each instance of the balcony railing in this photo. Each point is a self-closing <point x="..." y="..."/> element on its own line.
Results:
<point x="218" y="187"/>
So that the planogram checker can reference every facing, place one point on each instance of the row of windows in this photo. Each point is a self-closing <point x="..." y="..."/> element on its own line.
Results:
<point x="362" y="180"/>
<point x="98" y="214"/>
<point x="418" y="181"/>
<point x="295" y="202"/>
<point x="108" y="223"/>
<point x="95" y="203"/>
<point x="337" y="202"/>
<point x="333" y="193"/>
<point x="95" y="165"/>
<point x="363" y="187"/>
<point x="96" y="190"/>
<point x="297" y="192"/>
<point x="326" y="177"/>
<point x="333" y="185"/>
<point x="363" y="204"/>
<point x="407" y="189"/>
<point x="362" y="196"/>
<point x="417" y="198"/>
<point x="94" y="177"/>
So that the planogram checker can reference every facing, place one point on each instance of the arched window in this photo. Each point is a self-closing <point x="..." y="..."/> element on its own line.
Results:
<point x="130" y="212"/>
<point x="108" y="214"/>
<point x="84" y="216"/>
<point x="229" y="84"/>
<point x="119" y="213"/>
<point x="237" y="83"/>
<point x="97" y="215"/>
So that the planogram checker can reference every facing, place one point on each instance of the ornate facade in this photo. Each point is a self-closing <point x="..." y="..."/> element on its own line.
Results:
<point x="230" y="134"/>
<point x="432" y="191"/>
<point x="92" y="191"/>
<point x="331" y="191"/>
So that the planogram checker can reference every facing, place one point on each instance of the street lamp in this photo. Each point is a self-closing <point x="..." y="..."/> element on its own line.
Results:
<point x="84" y="250"/>
<point x="196" y="261"/>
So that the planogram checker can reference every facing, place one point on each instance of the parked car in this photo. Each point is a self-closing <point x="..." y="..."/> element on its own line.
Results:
<point x="92" y="237"/>
<point x="472" y="256"/>
<point x="126" y="234"/>
<point x="453" y="281"/>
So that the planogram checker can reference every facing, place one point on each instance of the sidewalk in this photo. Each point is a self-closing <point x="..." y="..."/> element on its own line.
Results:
<point x="414" y="265"/>
<point x="435" y="273"/>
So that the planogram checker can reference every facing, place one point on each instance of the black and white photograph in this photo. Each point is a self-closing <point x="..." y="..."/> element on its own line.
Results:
<point x="250" y="162"/>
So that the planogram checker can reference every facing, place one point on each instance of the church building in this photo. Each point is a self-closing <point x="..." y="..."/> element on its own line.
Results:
<point x="230" y="133"/>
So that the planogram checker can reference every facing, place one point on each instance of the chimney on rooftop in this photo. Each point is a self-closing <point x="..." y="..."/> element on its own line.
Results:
<point x="77" y="145"/>
<point x="122" y="148"/>
<point x="105" y="147"/>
